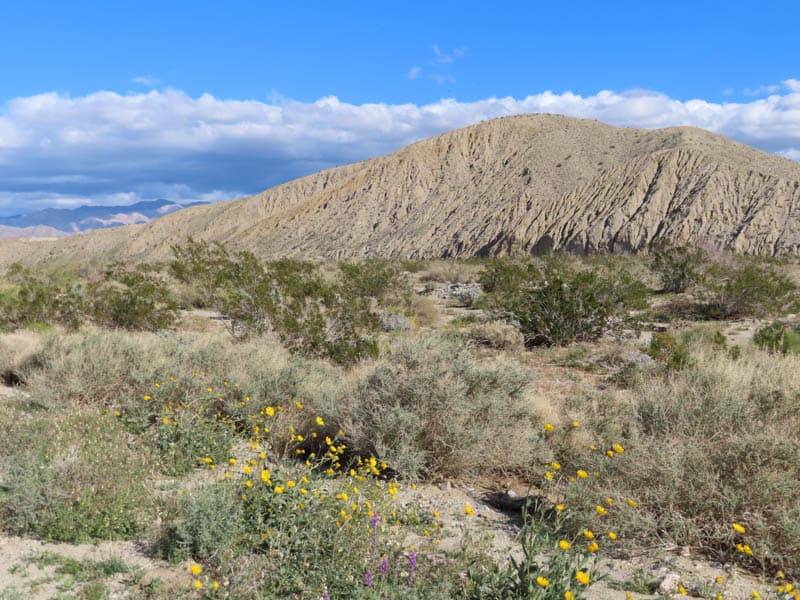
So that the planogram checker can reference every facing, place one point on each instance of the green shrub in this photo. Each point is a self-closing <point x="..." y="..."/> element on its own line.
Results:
<point x="677" y="267"/>
<point x="777" y="337"/>
<point x="42" y="301"/>
<point x="132" y="300"/>
<point x="373" y="278"/>
<point x="750" y="289"/>
<point x="555" y="304"/>
<point x="665" y="349"/>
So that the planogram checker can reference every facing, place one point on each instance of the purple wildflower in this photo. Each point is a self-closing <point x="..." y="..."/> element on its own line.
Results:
<point x="368" y="579"/>
<point x="373" y="542"/>
<point x="325" y="595"/>
<point x="384" y="568"/>
<point x="412" y="565"/>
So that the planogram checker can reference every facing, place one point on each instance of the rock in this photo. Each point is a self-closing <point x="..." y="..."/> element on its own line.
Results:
<point x="669" y="584"/>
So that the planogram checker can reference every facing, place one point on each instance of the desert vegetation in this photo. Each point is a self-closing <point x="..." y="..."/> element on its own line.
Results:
<point x="269" y="429"/>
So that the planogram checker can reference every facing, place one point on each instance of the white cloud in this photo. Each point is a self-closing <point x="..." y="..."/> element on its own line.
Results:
<point x="446" y="58"/>
<point x="111" y="148"/>
<point x="793" y="85"/>
<point x="762" y="90"/>
<point x="413" y="72"/>
<point x="147" y="80"/>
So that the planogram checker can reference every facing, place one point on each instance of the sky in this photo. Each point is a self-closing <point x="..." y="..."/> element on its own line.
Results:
<point x="116" y="102"/>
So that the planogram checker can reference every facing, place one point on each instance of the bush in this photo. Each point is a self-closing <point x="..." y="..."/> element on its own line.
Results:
<point x="777" y="337"/>
<point x="676" y="266"/>
<point x="132" y="300"/>
<point x="751" y="289"/>
<point x="555" y="304"/>
<point x="289" y="297"/>
<point x="497" y="334"/>
<point x="432" y="409"/>
<point x="373" y="278"/>
<point x="38" y="300"/>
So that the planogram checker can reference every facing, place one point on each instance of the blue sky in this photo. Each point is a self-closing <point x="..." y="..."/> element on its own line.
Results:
<point x="114" y="102"/>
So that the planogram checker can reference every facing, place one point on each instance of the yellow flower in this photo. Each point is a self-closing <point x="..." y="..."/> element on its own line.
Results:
<point x="588" y="534"/>
<point x="593" y="547"/>
<point x="610" y="501"/>
<point x="569" y="595"/>
<point x="165" y="420"/>
<point x="320" y="421"/>
<point x="582" y="577"/>
<point x="747" y="550"/>
<point x="215" y="585"/>
<point x="291" y="484"/>
<point x="196" y="569"/>
<point x="719" y="579"/>
<point x="265" y="477"/>
<point x="593" y="448"/>
<point x="468" y="510"/>
<point x="632" y="503"/>
<point x="564" y="545"/>
<point x="232" y="461"/>
<point x="298" y="405"/>
<point x="755" y="594"/>
<point x="542" y="581"/>
<point x="555" y="466"/>
<point x="279" y="489"/>
<point x="610" y="453"/>
<point x="618" y="449"/>
<point x="248" y="484"/>
<point x="629" y="596"/>
<point x="576" y="424"/>
<point x="738" y="528"/>
<point x="198" y="585"/>
<point x="681" y="590"/>
<point x="548" y="427"/>
<point x="270" y="411"/>
<point x="560" y="507"/>
<point x="146" y="398"/>
<point x="789" y="587"/>
<point x="247" y="469"/>
<point x="612" y="536"/>
<point x="582" y="474"/>
<point x="781" y="575"/>
<point x="548" y="475"/>
<point x="600" y="510"/>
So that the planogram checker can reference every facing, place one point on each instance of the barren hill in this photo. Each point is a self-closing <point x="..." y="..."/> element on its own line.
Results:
<point x="519" y="184"/>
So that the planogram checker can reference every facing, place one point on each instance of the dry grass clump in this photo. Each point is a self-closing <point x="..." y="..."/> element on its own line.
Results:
<point x="714" y="442"/>
<point x="497" y="334"/>
<point x="451" y="271"/>
<point x="432" y="408"/>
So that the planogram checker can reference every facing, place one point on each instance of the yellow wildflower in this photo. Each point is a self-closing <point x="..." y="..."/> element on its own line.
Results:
<point x="198" y="585"/>
<point x="468" y="510"/>
<point x="632" y="503"/>
<point x="569" y="595"/>
<point x="542" y="581"/>
<point x="196" y="569"/>
<point x="582" y="474"/>
<point x="612" y="536"/>
<point x="618" y="448"/>
<point x="600" y="510"/>
<point x="738" y="528"/>
<point x="588" y="534"/>
<point x="320" y="421"/>
<point x="582" y="577"/>
<point x="593" y="547"/>
<point x="576" y="424"/>
<point x="548" y="427"/>
<point x="564" y="545"/>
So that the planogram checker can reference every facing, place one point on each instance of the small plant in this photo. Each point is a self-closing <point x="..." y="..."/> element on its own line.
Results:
<point x="777" y="337"/>
<point x="750" y="289"/>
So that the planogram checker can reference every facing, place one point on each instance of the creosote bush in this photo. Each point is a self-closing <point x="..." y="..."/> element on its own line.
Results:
<point x="677" y="267"/>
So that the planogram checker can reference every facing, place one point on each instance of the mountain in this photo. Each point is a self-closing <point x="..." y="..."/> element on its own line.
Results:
<point x="61" y="221"/>
<point x="525" y="184"/>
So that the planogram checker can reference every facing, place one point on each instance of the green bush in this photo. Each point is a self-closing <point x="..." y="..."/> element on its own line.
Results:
<point x="777" y="337"/>
<point x="373" y="278"/>
<point x="748" y="289"/>
<point x="677" y="267"/>
<point x="287" y="296"/>
<point x="556" y="304"/>
<point x="132" y="300"/>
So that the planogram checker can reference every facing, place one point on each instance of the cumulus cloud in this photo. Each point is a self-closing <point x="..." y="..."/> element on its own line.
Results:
<point x="113" y="148"/>
<point x="413" y="72"/>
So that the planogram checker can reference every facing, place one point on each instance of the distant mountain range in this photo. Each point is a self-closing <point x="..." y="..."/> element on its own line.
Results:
<point x="58" y="222"/>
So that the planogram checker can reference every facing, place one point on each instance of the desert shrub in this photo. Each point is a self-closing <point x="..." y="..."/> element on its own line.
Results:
<point x="451" y="271"/>
<point x="665" y="349"/>
<point x="555" y="304"/>
<point x="289" y="297"/>
<point x="72" y="480"/>
<point x="431" y="408"/>
<point x="711" y="444"/>
<point x="777" y="337"/>
<point x="749" y="288"/>
<point x="37" y="300"/>
<point x="423" y="311"/>
<point x="373" y="278"/>
<point x="496" y="334"/>
<point x="132" y="300"/>
<point x="677" y="267"/>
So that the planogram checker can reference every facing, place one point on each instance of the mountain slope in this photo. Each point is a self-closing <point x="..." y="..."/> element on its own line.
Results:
<point x="519" y="184"/>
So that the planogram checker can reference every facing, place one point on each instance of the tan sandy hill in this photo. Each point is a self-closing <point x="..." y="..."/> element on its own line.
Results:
<point x="518" y="184"/>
